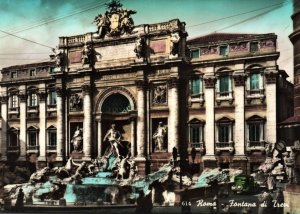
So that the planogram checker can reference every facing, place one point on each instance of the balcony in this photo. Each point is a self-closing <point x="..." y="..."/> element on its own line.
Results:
<point x="225" y="146"/>
<point x="224" y="96"/>
<point x="196" y="98"/>
<point x="13" y="149"/>
<point x="199" y="146"/>
<point x="32" y="149"/>
<point x="255" y="94"/>
<point x="51" y="148"/>
<point x="255" y="146"/>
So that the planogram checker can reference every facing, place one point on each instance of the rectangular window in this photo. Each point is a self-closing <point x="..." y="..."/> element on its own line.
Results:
<point x="32" y="72"/>
<point x="14" y="101"/>
<point x="196" y="87"/>
<point x="195" y="53"/>
<point x="52" y="98"/>
<point x="33" y="100"/>
<point x="254" y="132"/>
<point x="254" y="81"/>
<point x="224" y="85"/>
<point x="52" y="138"/>
<point x="253" y="47"/>
<point x="13" y="74"/>
<point x="223" y="50"/>
<point x="32" y="139"/>
<point x="224" y="130"/>
<point x="196" y="135"/>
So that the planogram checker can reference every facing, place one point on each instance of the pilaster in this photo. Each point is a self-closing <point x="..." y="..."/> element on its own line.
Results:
<point x="23" y="126"/>
<point x="42" y="133"/>
<point x="60" y="123"/>
<point x="173" y="119"/>
<point x="87" y="121"/>
<point x="4" y="134"/>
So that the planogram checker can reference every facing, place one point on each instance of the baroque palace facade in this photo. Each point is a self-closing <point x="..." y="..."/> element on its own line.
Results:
<point x="222" y="94"/>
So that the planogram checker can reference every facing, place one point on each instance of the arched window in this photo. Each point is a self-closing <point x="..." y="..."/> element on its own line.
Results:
<point x="225" y="132"/>
<point x="116" y="103"/>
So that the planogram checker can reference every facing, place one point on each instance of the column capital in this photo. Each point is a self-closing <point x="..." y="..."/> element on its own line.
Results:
<point x="59" y="91"/>
<point x="271" y="76"/>
<point x="43" y="96"/>
<point x="239" y="79"/>
<point x="210" y="81"/>
<point x="86" y="89"/>
<point x="23" y="97"/>
<point x="173" y="82"/>
<point x="140" y="84"/>
<point x="4" y="99"/>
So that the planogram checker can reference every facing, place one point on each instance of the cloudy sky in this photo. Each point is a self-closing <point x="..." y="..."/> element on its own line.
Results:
<point x="43" y="21"/>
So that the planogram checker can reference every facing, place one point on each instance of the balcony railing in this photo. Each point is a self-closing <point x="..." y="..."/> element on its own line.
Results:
<point x="13" y="109"/>
<point x="224" y="96"/>
<point x="13" y="149"/>
<point x="51" y="147"/>
<point x="33" y="148"/>
<point x="200" y="146"/>
<point x="255" y="92"/>
<point x="225" y="146"/>
<point x="256" y="143"/>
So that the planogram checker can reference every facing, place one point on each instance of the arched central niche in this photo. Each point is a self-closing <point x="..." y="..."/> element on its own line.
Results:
<point x="116" y="103"/>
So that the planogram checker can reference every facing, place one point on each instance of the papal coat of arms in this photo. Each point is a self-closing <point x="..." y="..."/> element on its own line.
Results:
<point x="116" y="21"/>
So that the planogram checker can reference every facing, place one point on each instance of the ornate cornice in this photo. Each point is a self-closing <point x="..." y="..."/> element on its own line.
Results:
<point x="23" y="97"/>
<point x="271" y="77"/>
<point x="239" y="79"/>
<point x="210" y="82"/>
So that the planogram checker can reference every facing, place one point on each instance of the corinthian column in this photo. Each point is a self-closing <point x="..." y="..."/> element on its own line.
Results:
<point x="60" y="124"/>
<point x="42" y="134"/>
<point x="173" y="120"/>
<point x="239" y="133"/>
<point x="4" y="134"/>
<point x="141" y="123"/>
<point x="87" y="121"/>
<point x="209" y="94"/>
<point x="23" y="138"/>
<point x="271" y="78"/>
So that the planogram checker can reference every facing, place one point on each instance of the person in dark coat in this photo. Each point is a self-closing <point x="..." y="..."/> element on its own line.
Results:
<point x="20" y="201"/>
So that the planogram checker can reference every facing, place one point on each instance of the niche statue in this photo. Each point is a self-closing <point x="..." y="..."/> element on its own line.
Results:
<point x="159" y="137"/>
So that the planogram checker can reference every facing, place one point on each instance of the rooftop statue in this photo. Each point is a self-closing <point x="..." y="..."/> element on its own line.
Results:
<point x="116" y="21"/>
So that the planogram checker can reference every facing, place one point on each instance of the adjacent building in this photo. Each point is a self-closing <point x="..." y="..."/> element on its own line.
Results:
<point x="221" y="93"/>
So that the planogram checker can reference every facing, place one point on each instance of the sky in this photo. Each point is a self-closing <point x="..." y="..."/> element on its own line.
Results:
<point x="43" y="21"/>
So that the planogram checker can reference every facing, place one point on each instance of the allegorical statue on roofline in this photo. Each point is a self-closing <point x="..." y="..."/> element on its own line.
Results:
<point x="115" y="22"/>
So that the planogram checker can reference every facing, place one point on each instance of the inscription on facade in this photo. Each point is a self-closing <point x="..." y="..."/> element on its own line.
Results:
<point x="75" y="56"/>
<point x="117" y="52"/>
<point x="158" y="46"/>
<point x="118" y="76"/>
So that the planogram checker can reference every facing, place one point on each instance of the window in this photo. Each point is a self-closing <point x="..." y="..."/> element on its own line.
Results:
<point x="32" y="138"/>
<point x="224" y="85"/>
<point x="51" y="138"/>
<point x="13" y="74"/>
<point x="253" y="47"/>
<point x="196" y="135"/>
<point x="256" y="131"/>
<point x="14" y="101"/>
<point x="255" y="85"/>
<point x="13" y="138"/>
<point x="223" y="50"/>
<point x="196" y="87"/>
<point x="195" y="53"/>
<point x="224" y="131"/>
<point x="254" y="81"/>
<point x="52" y="98"/>
<point x="32" y="99"/>
<point x="32" y="72"/>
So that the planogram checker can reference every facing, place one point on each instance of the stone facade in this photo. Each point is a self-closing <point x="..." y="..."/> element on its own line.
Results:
<point x="207" y="92"/>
